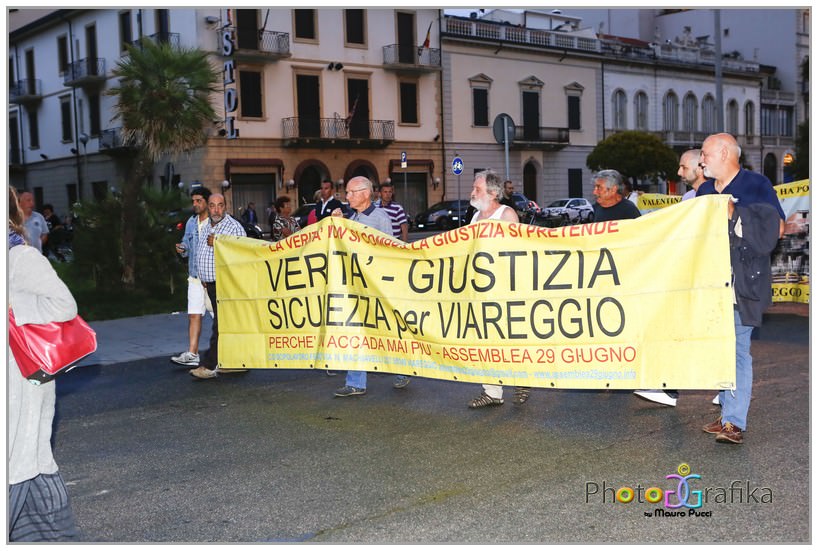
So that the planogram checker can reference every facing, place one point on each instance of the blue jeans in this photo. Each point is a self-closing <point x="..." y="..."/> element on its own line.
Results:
<point x="734" y="404"/>
<point x="356" y="379"/>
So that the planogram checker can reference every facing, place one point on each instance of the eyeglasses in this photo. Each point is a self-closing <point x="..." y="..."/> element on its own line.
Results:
<point x="356" y="190"/>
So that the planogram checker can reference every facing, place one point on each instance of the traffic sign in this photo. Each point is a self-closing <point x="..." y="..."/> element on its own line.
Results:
<point x="403" y="159"/>
<point x="457" y="166"/>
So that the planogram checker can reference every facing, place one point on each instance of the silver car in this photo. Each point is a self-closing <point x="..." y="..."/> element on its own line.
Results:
<point x="575" y="210"/>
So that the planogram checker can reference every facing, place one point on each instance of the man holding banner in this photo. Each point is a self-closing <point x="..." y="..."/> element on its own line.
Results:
<point x="756" y="222"/>
<point x="359" y="195"/>
<point x="486" y="193"/>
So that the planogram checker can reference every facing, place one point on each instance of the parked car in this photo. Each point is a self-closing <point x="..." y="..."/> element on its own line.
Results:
<point x="521" y="202"/>
<point x="302" y="212"/>
<point x="444" y="215"/>
<point x="573" y="211"/>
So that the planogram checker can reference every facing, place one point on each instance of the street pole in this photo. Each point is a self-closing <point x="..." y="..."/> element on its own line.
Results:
<point x="505" y="142"/>
<point x="719" y="92"/>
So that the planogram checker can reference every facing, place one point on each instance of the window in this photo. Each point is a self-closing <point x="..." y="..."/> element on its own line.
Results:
<point x="100" y="190"/>
<point x="575" y="182"/>
<point x="12" y="78"/>
<point x="94" y="114"/>
<point x="732" y="117"/>
<point x="408" y="102"/>
<point x="640" y="107"/>
<point x="62" y="54"/>
<point x="785" y="121"/>
<point x="250" y="102"/>
<point x="65" y="117"/>
<point x="573" y="113"/>
<point x="709" y="114"/>
<point x="749" y="119"/>
<point x="33" y="129"/>
<point x="619" y="105"/>
<point x="480" y="106"/>
<point x="768" y="127"/>
<point x="305" y="24"/>
<point x="125" y="30"/>
<point x="689" y="118"/>
<point x="355" y="26"/>
<point x="71" y="191"/>
<point x="15" y="156"/>
<point x="670" y="112"/>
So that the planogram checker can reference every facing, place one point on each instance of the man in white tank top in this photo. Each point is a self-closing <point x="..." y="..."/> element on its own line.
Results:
<point x="485" y="197"/>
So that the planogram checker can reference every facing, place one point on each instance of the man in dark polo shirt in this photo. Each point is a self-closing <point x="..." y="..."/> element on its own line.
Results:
<point x="610" y="203"/>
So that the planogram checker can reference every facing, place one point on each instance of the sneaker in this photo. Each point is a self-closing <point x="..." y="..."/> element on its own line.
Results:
<point x="345" y="391"/>
<point x="713" y="428"/>
<point x="186" y="358"/>
<point x="730" y="434"/>
<point x="716" y="401"/>
<point x="658" y="396"/>
<point x="202" y="372"/>
<point x="401" y="381"/>
<point x="231" y="370"/>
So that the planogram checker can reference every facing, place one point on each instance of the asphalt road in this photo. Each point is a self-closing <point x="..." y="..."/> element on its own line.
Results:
<point x="152" y="455"/>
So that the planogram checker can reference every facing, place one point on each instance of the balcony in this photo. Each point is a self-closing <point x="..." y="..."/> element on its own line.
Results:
<point x="778" y="141"/>
<point x="777" y="96"/>
<point x="541" y="137"/>
<point x="338" y="132"/>
<point x="159" y="38"/>
<point x="682" y="137"/>
<point x="416" y="59"/>
<point x="25" y="91"/>
<point x="111" y="142"/>
<point x="85" y="72"/>
<point x="259" y="46"/>
<point x="498" y="32"/>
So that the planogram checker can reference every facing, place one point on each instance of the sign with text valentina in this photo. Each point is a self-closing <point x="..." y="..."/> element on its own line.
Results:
<point x="642" y="303"/>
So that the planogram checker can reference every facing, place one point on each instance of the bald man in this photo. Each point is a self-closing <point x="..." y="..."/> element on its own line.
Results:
<point x="756" y="220"/>
<point x="690" y="173"/>
<point x="220" y="223"/>
<point x="34" y="223"/>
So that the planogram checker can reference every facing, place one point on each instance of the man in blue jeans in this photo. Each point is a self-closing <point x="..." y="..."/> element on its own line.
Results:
<point x="359" y="195"/>
<point x="756" y="221"/>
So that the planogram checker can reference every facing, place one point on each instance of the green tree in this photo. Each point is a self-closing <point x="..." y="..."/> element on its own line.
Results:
<point x="634" y="154"/>
<point x="163" y="103"/>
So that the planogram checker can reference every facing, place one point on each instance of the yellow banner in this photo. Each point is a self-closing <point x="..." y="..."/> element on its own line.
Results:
<point x="790" y="264"/>
<point x="642" y="303"/>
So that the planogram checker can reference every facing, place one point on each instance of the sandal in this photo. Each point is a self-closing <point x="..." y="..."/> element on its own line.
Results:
<point x="485" y="400"/>
<point x="521" y="394"/>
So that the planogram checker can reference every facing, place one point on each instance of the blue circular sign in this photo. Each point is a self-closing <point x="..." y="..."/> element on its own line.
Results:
<point x="457" y="166"/>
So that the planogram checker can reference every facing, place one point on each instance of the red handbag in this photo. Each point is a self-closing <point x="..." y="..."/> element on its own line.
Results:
<point x="44" y="350"/>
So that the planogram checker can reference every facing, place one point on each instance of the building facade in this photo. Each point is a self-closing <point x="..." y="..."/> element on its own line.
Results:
<point x="307" y="95"/>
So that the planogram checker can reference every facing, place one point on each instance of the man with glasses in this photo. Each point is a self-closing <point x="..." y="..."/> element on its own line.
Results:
<point x="359" y="195"/>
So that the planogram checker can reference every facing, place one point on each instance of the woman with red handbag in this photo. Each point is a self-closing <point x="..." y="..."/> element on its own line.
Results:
<point x="38" y="508"/>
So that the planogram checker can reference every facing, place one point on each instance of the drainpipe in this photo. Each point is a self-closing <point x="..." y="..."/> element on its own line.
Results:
<point x="21" y="110"/>
<point x="443" y="163"/>
<point x="74" y="104"/>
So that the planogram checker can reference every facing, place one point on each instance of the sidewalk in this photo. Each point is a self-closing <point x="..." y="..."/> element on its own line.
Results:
<point x="129" y="339"/>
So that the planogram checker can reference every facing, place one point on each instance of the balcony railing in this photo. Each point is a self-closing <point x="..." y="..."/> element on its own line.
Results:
<point x="261" y="45"/>
<point x="778" y="96"/>
<point x="400" y="56"/>
<point x="541" y="134"/>
<point x="111" y="139"/>
<point x="26" y="90"/>
<point x="338" y="129"/>
<point x="505" y="33"/>
<point x="679" y="137"/>
<point x="85" y="71"/>
<point x="160" y="38"/>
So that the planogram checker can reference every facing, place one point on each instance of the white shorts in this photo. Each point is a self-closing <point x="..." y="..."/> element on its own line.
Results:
<point x="197" y="300"/>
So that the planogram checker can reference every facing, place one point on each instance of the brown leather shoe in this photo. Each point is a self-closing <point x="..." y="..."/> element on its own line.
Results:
<point x="713" y="428"/>
<point x="730" y="434"/>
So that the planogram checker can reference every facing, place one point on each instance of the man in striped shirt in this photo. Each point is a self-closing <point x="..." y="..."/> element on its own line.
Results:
<point x="400" y="225"/>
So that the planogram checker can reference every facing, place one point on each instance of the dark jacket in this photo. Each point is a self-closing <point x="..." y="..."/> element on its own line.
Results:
<point x="750" y="259"/>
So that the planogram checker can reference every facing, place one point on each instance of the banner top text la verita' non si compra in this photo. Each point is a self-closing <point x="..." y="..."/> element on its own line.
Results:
<point x="642" y="303"/>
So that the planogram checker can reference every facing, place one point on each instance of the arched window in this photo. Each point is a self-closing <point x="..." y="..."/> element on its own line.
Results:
<point x="689" y="118"/>
<point x="619" y="104"/>
<point x="708" y="114"/>
<point x="640" y="109"/>
<point x="670" y="112"/>
<point x="732" y="117"/>
<point x="749" y="119"/>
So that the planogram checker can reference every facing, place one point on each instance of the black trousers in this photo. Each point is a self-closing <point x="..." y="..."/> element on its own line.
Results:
<point x="210" y="358"/>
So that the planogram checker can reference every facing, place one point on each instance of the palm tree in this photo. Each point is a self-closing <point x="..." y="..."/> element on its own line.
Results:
<point x="163" y="103"/>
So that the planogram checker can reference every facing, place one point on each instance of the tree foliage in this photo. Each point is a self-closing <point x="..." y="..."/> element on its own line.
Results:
<point x="634" y="154"/>
<point x="163" y="103"/>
